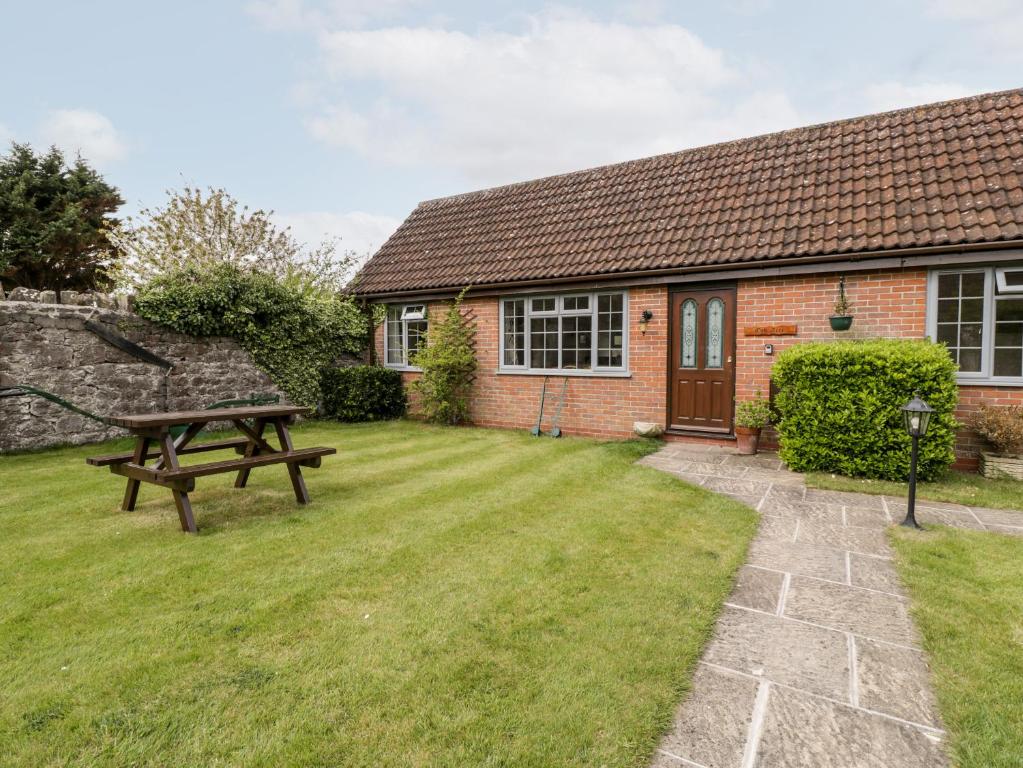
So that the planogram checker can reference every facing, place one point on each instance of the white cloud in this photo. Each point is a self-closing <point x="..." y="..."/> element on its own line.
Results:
<point x="85" y="131"/>
<point x="881" y="97"/>
<point x="565" y="93"/>
<point x="360" y="232"/>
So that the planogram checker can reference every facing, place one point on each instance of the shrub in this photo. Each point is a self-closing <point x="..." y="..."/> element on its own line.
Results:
<point x="753" y="414"/>
<point x="290" y="334"/>
<point x="839" y="406"/>
<point x="448" y="362"/>
<point x="1001" y="426"/>
<point x="362" y="393"/>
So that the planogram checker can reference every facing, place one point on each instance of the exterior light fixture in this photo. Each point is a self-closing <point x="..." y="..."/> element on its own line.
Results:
<point x="916" y="415"/>
<point x="644" y="319"/>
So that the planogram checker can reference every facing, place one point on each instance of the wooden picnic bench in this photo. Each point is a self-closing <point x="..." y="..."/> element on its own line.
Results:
<point x="154" y="440"/>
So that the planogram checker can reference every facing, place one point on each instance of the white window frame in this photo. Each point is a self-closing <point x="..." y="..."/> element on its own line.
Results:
<point x="411" y="312"/>
<point x="992" y="277"/>
<point x="558" y="312"/>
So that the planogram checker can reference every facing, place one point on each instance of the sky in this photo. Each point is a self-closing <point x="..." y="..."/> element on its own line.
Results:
<point x="341" y="115"/>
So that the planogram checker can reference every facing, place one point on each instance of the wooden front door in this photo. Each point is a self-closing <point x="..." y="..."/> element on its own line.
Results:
<point x="702" y="360"/>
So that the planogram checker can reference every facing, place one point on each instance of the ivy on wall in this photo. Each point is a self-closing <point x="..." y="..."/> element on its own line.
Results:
<point x="291" y="334"/>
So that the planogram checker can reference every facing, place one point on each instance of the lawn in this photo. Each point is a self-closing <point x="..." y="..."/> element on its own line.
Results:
<point x="451" y="597"/>
<point x="967" y="597"/>
<point x="967" y="488"/>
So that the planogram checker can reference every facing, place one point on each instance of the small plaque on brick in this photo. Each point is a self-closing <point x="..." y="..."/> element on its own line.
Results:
<point x="770" y="330"/>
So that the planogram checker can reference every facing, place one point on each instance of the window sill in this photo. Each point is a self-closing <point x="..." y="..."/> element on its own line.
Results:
<point x="964" y="381"/>
<point x="557" y="373"/>
<point x="403" y="368"/>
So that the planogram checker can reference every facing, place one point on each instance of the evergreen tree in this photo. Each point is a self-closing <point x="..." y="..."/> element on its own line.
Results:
<point x="53" y="219"/>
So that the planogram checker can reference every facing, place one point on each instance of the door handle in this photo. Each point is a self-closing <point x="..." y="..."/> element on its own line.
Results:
<point x="729" y="358"/>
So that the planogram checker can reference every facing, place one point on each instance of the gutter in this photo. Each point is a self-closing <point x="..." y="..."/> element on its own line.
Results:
<point x="902" y="256"/>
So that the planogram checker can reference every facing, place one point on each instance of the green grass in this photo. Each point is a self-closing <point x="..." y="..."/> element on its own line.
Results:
<point x="451" y="597"/>
<point x="967" y="488"/>
<point x="967" y="599"/>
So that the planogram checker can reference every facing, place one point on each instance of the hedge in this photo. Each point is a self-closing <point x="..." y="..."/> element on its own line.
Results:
<point x="361" y="393"/>
<point x="839" y="407"/>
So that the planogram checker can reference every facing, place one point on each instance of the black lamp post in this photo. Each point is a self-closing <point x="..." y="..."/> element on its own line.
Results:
<point x="916" y="414"/>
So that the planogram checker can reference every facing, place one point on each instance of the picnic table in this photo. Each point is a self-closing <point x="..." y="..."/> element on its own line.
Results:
<point x="154" y="440"/>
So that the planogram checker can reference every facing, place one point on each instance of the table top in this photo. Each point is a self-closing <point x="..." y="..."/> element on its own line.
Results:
<point x="151" y="420"/>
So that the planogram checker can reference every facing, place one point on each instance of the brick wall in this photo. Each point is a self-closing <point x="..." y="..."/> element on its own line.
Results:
<point x="885" y="304"/>
<point x="595" y="406"/>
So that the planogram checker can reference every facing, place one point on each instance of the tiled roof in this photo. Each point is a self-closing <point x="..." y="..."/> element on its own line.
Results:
<point x="943" y="174"/>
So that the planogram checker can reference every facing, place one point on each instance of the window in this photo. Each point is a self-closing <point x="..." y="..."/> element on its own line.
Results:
<point x="403" y="333"/>
<point x="977" y="313"/>
<point x="574" y="332"/>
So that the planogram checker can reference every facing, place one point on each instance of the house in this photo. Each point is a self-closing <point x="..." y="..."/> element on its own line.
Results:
<point x="663" y="288"/>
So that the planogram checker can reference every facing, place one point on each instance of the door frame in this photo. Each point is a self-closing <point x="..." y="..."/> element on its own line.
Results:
<point x="673" y="290"/>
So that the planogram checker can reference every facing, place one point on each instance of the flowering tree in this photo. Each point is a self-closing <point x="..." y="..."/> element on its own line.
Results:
<point x="199" y="230"/>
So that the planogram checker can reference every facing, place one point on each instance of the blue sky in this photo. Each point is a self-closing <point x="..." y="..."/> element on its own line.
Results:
<point x="342" y="114"/>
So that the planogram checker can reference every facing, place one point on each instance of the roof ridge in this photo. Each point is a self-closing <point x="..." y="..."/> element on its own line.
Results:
<point x="720" y="144"/>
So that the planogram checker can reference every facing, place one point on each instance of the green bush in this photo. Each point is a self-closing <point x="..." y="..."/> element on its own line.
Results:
<point x="448" y="364"/>
<point x="291" y="335"/>
<point x="840" y="402"/>
<point x="362" y="393"/>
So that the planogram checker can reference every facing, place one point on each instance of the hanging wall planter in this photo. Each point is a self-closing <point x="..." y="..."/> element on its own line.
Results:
<point x="841" y="319"/>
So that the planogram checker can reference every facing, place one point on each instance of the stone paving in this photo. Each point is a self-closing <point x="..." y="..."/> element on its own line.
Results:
<point x="815" y="660"/>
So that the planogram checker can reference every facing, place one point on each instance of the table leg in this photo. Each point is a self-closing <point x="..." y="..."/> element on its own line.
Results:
<point x="170" y="461"/>
<point x="297" y="482"/>
<point x="251" y="449"/>
<point x="131" y="491"/>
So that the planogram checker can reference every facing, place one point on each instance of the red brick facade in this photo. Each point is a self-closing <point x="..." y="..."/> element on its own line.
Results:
<point x="885" y="303"/>
<point x="595" y="406"/>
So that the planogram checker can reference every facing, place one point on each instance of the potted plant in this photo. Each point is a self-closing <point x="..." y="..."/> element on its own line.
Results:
<point x="841" y="317"/>
<point x="750" y="417"/>
<point x="1002" y="427"/>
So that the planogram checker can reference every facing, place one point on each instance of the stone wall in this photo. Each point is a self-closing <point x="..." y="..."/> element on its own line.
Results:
<point x="47" y="346"/>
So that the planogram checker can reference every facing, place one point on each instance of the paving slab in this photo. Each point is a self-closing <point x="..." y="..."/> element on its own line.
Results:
<point x="807" y="510"/>
<point x="803" y="731"/>
<point x="874" y="573"/>
<point x="1006" y="517"/>
<point x="743" y="487"/>
<point x="774" y="527"/>
<point x="757" y="588"/>
<point x="768" y="647"/>
<point x="712" y="724"/>
<point x="895" y="681"/>
<point x="870" y="541"/>
<point x="802" y="558"/>
<point x="850" y="609"/>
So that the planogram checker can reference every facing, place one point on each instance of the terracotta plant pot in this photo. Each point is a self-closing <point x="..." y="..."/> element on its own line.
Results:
<point x="840" y="322"/>
<point x="747" y="439"/>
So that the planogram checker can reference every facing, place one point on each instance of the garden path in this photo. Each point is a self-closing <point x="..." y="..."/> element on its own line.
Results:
<point x="814" y="660"/>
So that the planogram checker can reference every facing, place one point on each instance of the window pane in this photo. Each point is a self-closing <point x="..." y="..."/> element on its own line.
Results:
<point x="970" y="334"/>
<point x="514" y="332"/>
<point x="715" y="332"/>
<point x="948" y="310"/>
<point x="576" y="303"/>
<point x="1009" y="335"/>
<point x="689" y="334"/>
<point x="1013" y="278"/>
<point x="1009" y="362"/>
<point x="576" y="342"/>
<point x="971" y="311"/>
<point x="948" y="334"/>
<point x="543" y="342"/>
<point x="395" y="352"/>
<point x="948" y="285"/>
<point x="610" y="333"/>
<point x="542" y="305"/>
<point x="969" y="360"/>
<point x="416" y="336"/>
<point x="973" y="284"/>
<point x="1009" y="309"/>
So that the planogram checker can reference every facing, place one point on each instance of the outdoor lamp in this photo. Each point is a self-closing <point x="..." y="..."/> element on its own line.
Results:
<point x="917" y="415"/>
<point x="644" y="319"/>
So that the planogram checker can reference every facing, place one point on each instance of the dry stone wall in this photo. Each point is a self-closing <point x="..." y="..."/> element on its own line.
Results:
<point x="47" y="346"/>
